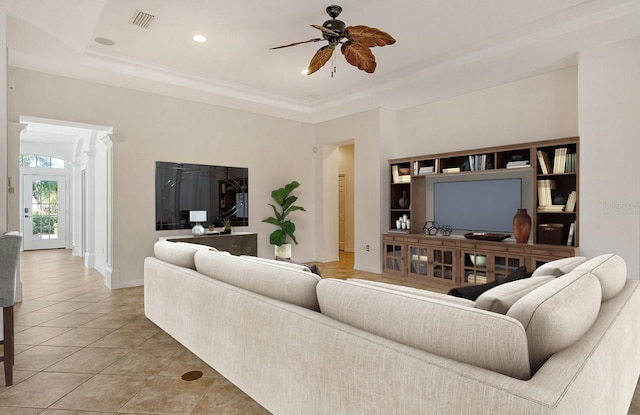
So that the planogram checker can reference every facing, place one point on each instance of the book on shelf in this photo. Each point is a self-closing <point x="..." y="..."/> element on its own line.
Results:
<point x="545" y="163"/>
<point x="572" y="233"/>
<point x="544" y="192"/>
<point x="425" y="170"/>
<point x="517" y="164"/>
<point x="571" y="202"/>
<point x="451" y="170"/>
<point x="560" y="160"/>
<point x="405" y="178"/>
<point x="395" y="174"/>
<point x="570" y="165"/>
<point x="551" y="208"/>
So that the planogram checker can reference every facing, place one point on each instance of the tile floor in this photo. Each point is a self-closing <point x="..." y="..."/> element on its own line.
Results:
<point x="82" y="349"/>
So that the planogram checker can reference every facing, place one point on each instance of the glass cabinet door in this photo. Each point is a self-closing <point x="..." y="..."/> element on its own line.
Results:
<point x="475" y="268"/>
<point x="394" y="257"/>
<point x="443" y="264"/>
<point x="503" y="265"/>
<point x="418" y="261"/>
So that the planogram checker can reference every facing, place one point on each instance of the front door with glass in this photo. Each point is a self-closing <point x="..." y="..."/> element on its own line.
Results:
<point x="44" y="221"/>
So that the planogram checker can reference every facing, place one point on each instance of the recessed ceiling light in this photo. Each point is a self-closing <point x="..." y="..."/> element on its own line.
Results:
<point x="104" y="41"/>
<point x="200" y="38"/>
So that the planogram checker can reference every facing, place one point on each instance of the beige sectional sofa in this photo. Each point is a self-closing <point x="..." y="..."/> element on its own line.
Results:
<point x="564" y="342"/>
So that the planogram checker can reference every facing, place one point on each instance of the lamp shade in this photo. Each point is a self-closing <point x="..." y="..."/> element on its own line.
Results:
<point x="197" y="216"/>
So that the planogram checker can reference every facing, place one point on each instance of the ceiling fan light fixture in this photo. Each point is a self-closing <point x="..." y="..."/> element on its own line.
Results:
<point x="355" y="43"/>
<point x="304" y="71"/>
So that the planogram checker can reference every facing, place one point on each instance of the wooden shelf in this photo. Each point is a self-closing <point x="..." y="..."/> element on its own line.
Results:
<point x="494" y="162"/>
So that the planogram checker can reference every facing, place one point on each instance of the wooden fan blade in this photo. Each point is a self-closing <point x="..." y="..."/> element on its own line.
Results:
<point x="359" y="56"/>
<point x="320" y="58"/>
<point x="297" y="43"/>
<point x="369" y="36"/>
<point x="324" y="29"/>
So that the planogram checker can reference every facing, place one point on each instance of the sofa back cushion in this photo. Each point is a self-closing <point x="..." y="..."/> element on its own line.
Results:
<point x="611" y="271"/>
<point x="175" y="253"/>
<point x="499" y="299"/>
<point x="415" y="291"/>
<point x="559" y="266"/>
<point x="465" y="334"/>
<point x="276" y="281"/>
<point x="557" y="314"/>
<point x="292" y="265"/>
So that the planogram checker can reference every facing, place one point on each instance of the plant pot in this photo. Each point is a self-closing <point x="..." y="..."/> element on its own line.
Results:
<point x="283" y="251"/>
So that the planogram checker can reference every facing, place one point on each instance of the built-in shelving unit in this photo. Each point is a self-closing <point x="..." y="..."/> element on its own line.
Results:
<point x="553" y="168"/>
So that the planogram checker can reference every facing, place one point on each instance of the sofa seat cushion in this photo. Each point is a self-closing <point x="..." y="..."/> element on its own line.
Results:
<point x="276" y="281"/>
<point x="499" y="299"/>
<point x="465" y="334"/>
<point x="415" y="291"/>
<point x="611" y="271"/>
<point x="559" y="266"/>
<point x="175" y="253"/>
<point x="557" y="314"/>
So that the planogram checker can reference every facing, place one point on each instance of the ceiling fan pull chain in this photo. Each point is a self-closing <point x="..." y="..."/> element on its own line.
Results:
<point x="333" y="63"/>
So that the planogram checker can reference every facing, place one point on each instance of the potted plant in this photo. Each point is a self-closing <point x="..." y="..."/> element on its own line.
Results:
<point x="286" y="228"/>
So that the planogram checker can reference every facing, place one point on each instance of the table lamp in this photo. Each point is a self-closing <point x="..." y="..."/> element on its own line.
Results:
<point x="197" y="216"/>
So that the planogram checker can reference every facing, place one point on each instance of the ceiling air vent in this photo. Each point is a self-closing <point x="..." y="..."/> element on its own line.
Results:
<point x="142" y="19"/>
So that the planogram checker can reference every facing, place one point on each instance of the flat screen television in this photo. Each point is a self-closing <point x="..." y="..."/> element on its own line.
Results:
<point x="220" y="190"/>
<point x="477" y="205"/>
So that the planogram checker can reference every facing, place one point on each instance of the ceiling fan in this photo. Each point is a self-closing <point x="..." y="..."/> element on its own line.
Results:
<point x="356" y="43"/>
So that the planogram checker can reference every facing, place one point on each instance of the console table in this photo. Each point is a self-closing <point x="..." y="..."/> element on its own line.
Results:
<point x="238" y="243"/>
<point x="451" y="261"/>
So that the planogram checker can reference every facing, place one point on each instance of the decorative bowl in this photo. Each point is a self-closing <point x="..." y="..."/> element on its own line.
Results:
<point x="478" y="260"/>
<point x="404" y="170"/>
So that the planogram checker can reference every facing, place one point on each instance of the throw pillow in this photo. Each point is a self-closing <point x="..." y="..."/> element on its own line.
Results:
<point x="559" y="266"/>
<point x="517" y="274"/>
<point x="472" y="292"/>
<point x="500" y="299"/>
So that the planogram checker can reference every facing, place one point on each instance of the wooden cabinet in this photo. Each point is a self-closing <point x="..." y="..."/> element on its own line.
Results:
<point x="552" y="217"/>
<point x="447" y="262"/>
<point x="431" y="261"/>
<point x="482" y="263"/>
<point x="557" y="168"/>
<point x="394" y="254"/>
<point x="238" y="243"/>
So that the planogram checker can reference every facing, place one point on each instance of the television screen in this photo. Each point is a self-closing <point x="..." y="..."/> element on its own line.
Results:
<point x="219" y="190"/>
<point x="478" y="205"/>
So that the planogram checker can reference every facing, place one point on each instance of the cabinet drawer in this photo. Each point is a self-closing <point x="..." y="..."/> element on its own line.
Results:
<point x="394" y="238"/>
<point x="476" y="246"/>
<point x="550" y="252"/>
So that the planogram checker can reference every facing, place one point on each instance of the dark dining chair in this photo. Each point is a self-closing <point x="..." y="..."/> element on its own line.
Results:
<point x="10" y="243"/>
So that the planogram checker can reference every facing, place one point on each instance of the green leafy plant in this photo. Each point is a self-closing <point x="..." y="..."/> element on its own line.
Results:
<point x="285" y="201"/>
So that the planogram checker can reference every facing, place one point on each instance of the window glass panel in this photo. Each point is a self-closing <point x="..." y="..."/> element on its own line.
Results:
<point x="43" y="161"/>
<point x="57" y="163"/>
<point x="28" y="160"/>
<point x="36" y="160"/>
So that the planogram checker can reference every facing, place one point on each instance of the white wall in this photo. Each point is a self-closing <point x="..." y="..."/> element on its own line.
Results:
<point x="364" y="131"/>
<point x="149" y="128"/>
<point x="539" y="108"/>
<point x="609" y="108"/>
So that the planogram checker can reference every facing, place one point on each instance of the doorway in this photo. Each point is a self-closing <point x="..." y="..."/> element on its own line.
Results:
<point x="44" y="212"/>
<point x="346" y="191"/>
